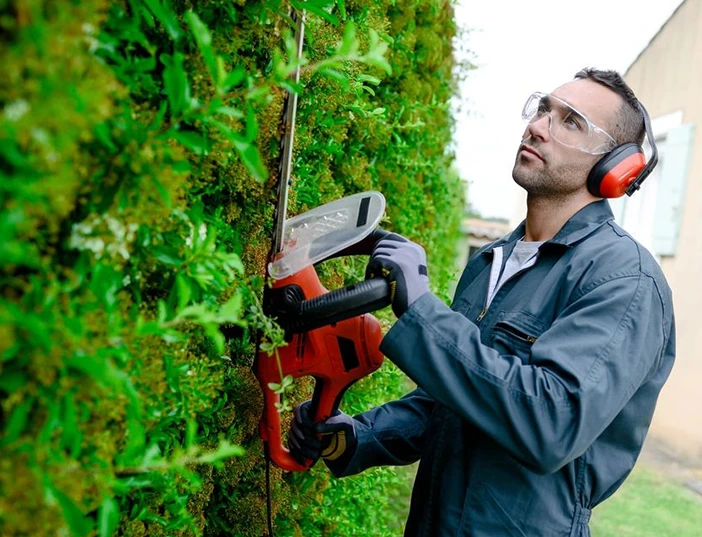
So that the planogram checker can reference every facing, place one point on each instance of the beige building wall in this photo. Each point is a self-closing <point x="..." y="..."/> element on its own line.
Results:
<point x="667" y="78"/>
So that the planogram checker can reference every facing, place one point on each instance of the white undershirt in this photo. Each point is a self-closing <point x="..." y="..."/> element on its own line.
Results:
<point x="523" y="256"/>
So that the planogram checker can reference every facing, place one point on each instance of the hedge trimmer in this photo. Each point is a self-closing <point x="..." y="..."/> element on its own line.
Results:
<point x="330" y="335"/>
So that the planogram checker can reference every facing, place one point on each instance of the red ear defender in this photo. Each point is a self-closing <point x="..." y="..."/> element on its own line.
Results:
<point x="614" y="173"/>
<point x="624" y="168"/>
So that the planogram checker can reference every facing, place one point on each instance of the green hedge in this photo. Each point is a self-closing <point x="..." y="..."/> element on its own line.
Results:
<point x="139" y="141"/>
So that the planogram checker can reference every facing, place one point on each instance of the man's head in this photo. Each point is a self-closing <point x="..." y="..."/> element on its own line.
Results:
<point x="588" y="116"/>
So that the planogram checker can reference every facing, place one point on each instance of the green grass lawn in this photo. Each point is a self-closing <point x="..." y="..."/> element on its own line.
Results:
<point x="649" y="505"/>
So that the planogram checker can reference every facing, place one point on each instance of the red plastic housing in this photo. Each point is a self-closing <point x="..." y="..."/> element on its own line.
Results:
<point x="336" y="356"/>
<point x="618" y="179"/>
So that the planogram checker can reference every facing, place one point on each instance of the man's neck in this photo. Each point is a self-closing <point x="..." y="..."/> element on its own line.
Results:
<point x="546" y="216"/>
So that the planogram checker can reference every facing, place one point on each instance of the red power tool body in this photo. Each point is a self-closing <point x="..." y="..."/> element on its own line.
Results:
<point x="335" y="355"/>
<point x="331" y="337"/>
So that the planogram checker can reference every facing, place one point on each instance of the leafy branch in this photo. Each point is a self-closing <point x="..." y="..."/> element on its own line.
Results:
<point x="181" y="458"/>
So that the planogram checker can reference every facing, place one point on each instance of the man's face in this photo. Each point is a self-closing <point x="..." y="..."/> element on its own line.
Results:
<point x="546" y="167"/>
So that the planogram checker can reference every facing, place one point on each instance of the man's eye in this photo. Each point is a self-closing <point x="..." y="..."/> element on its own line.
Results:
<point x="573" y="122"/>
<point x="542" y="109"/>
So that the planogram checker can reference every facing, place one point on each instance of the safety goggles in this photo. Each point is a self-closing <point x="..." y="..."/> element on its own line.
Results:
<point x="566" y="124"/>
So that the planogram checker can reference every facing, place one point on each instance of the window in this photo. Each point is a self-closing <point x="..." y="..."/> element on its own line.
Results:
<point x="653" y="214"/>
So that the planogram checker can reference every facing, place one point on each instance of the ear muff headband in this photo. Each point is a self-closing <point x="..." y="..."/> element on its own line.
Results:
<point x="622" y="170"/>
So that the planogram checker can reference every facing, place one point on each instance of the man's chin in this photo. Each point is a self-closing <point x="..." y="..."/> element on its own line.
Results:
<point x="521" y="175"/>
<point x="529" y="180"/>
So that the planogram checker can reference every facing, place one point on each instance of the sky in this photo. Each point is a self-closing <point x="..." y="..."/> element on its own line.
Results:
<point x="521" y="47"/>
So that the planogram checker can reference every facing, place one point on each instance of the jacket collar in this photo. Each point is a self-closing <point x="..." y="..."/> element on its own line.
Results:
<point x="579" y="226"/>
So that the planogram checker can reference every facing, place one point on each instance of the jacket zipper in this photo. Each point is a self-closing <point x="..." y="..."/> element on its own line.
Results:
<point x="516" y="332"/>
<point x="482" y="314"/>
<point x="486" y="307"/>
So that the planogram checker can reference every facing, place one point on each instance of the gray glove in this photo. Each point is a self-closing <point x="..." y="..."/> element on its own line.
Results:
<point x="404" y="265"/>
<point x="337" y="432"/>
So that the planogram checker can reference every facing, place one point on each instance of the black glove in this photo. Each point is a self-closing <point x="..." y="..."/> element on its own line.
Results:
<point x="338" y="436"/>
<point x="404" y="265"/>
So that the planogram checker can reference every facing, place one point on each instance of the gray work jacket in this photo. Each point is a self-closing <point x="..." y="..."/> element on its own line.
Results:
<point x="531" y="412"/>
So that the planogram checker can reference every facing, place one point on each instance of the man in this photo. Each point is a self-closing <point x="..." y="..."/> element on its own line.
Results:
<point x="537" y="387"/>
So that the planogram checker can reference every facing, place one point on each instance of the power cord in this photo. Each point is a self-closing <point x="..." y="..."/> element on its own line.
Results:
<point x="269" y="503"/>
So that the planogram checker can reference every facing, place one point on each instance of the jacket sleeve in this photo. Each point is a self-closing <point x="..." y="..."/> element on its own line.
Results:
<point x="582" y="370"/>
<point x="391" y="434"/>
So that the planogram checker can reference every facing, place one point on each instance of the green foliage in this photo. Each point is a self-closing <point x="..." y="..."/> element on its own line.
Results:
<point x="138" y="146"/>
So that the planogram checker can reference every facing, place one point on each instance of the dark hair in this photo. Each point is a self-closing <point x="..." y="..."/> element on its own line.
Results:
<point x="628" y="124"/>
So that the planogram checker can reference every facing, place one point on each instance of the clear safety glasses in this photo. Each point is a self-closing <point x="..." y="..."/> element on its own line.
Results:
<point x="566" y="124"/>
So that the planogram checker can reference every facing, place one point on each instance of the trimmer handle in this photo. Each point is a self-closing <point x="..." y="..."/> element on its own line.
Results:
<point x="325" y="402"/>
<point x="297" y="316"/>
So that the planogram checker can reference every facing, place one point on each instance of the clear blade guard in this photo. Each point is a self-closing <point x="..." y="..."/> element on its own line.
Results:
<point x="317" y="234"/>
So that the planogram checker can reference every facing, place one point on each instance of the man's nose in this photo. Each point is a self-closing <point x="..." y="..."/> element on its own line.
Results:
<point x="540" y="127"/>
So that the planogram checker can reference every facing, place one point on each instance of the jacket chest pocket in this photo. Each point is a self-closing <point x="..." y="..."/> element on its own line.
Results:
<point x="514" y="333"/>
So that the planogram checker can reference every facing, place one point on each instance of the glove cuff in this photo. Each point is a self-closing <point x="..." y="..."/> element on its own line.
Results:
<point x="336" y="448"/>
<point x="340" y="450"/>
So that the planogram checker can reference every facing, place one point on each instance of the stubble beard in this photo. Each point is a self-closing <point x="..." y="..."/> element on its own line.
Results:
<point x="556" y="183"/>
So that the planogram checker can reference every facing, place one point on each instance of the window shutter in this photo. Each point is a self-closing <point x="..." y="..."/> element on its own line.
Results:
<point x="675" y="158"/>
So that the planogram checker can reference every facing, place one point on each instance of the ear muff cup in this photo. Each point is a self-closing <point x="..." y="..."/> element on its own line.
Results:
<point x="615" y="171"/>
